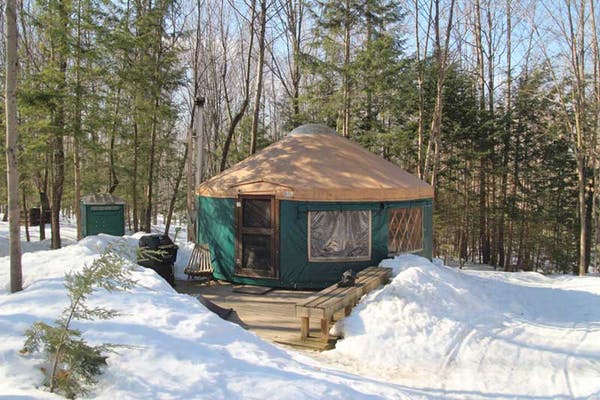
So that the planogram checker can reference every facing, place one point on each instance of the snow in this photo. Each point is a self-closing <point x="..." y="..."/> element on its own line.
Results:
<point x="477" y="333"/>
<point x="176" y="347"/>
<point x="68" y="234"/>
<point x="433" y="332"/>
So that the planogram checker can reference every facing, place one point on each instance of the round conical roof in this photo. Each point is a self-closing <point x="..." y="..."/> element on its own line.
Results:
<point x="310" y="166"/>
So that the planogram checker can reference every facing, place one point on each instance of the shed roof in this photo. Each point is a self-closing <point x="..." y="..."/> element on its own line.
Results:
<point x="101" y="198"/>
<point x="313" y="163"/>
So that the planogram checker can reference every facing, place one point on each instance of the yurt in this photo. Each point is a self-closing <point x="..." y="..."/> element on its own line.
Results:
<point x="309" y="207"/>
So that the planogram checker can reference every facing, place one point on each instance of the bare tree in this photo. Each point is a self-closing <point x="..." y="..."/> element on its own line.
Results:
<point x="596" y="125"/>
<point x="236" y="116"/>
<point x="441" y="54"/>
<point x="189" y="146"/>
<point x="503" y="257"/>
<point x="346" y="69"/>
<point x="572" y="35"/>
<point x="286" y="67"/>
<point x="260" y="63"/>
<point x="421" y="56"/>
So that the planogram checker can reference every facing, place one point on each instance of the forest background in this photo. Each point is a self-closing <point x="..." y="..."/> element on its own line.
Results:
<point x="495" y="103"/>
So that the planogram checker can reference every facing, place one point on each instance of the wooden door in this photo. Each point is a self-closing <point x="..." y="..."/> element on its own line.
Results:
<point x="257" y="244"/>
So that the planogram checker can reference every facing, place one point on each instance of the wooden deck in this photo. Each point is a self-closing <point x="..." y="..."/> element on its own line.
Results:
<point x="271" y="316"/>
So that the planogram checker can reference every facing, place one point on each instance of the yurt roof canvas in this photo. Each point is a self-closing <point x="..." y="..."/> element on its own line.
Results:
<point x="313" y="163"/>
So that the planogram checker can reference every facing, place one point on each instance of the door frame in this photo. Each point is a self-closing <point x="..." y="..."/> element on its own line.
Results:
<point x="273" y="231"/>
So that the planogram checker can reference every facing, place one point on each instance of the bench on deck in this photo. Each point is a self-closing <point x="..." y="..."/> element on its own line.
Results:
<point x="200" y="263"/>
<point x="324" y="304"/>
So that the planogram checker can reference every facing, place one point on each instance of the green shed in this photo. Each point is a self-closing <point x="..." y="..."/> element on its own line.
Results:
<point x="102" y="213"/>
<point x="305" y="209"/>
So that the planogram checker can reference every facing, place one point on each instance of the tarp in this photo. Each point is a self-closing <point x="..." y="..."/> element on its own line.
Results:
<point x="313" y="163"/>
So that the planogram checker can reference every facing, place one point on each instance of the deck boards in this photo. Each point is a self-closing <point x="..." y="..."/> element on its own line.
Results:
<point x="272" y="315"/>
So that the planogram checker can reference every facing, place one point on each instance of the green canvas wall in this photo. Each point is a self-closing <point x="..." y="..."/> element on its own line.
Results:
<point x="216" y="226"/>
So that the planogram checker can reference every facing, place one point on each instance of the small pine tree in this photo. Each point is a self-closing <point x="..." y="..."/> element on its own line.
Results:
<point x="72" y="364"/>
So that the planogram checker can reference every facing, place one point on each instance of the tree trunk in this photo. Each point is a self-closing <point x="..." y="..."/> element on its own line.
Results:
<point x="57" y="141"/>
<point x="191" y="195"/>
<point x="235" y="119"/>
<point x="588" y="219"/>
<point x="26" y="216"/>
<point x="346" y="76"/>
<point x="114" y="179"/>
<point x="595" y="132"/>
<point x="150" y="183"/>
<point x="12" y="171"/>
<point x="58" y="176"/>
<point x="77" y="127"/>
<point x="189" y="154"/>
<point x="259" y="75"/>
<point x="491" y="116"/>
<point x="176" y="189"/>
<point x="583" y="228"/>
<point x="230" y="131"/>
<point x="483" y="244"/>
<point x="502" y="260"/>
<point x="296" y="22"/>
<point x="420" y="82"/>
<point x="44" y="205"/>
<point x="441" y="54"/>
<point x="134" y="194"/>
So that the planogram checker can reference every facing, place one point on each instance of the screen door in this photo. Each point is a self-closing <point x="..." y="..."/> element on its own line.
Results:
<point x="257" y="232"/>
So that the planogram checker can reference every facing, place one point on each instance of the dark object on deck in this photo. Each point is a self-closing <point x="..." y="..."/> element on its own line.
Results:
<point x="35" y="214"/>
<point x="200" y="263"/>
<point x="251" y="289"/>
<point x="332" y="299"/>
<point x="348" y="279"/>
<point x="102" y="213"/>
<point x="224" y="313"/>
<point x="228" y="314"/>
<point x="159" y="253"/>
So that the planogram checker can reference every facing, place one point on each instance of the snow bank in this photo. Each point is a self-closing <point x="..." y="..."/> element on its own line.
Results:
<point x="477" y="334"/>
<point x="433" y="332"/>
<point x="178" y="349"/>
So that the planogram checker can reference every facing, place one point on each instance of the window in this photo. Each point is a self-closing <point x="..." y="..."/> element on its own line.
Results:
<point x="339" y="235"/>
<point x="405" y="230"/>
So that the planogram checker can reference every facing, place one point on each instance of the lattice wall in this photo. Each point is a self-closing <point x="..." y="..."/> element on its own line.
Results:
<point x="405" y="230"/>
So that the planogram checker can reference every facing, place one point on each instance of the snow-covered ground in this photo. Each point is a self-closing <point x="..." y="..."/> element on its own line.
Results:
<point x="477" y="333"/>
<point x="434" y="332"/>
<point x="68" y="235"/>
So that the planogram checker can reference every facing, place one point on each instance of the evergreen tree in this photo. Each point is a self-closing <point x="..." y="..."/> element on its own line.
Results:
<point x="72" y="363"/>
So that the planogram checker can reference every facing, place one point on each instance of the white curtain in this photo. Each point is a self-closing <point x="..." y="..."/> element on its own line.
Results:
<point x="340" y="235"/>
